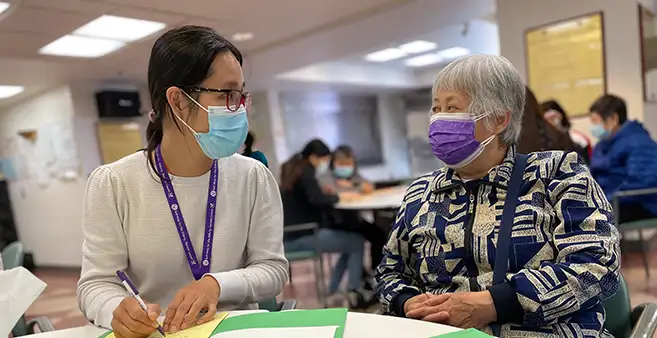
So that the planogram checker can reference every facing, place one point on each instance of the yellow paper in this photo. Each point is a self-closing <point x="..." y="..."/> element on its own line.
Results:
<point x="199" y="331"/>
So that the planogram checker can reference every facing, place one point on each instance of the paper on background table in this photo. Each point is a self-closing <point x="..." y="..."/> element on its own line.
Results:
<point x="19" y="288"/>
<point x="286" y="319"/>
<point x="469" y="333"/>
<point x="199" y="331"/>
<point x="282" y="332"/>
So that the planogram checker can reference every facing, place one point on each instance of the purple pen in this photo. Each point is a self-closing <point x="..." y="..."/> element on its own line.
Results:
<point x="132" y="289"/>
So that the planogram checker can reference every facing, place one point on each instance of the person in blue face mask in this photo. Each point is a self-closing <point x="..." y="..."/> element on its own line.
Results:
<point x="345" y="178"/>
<point x="625" y="157"/>
<point x="195" y="226"/>
<point x="306" y="201"/>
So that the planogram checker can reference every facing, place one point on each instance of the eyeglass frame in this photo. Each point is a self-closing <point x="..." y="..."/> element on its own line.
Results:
<point x="245" y="99"/>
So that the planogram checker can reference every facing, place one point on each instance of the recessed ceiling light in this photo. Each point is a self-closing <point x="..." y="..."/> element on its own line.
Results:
<point x="423" y="60"/>
<point x="244" y="36"/>
<point x="9" y="91"/>
<point x="3" y="6"/>
<point x="453" y="53"/>
<point x="385" y="55"/>
<point x="81" y="46"/>
<point x="419" y="46"/>
<point x="119" y="28"/>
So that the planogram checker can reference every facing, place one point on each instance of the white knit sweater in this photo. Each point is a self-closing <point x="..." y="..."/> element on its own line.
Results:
<point x="128" y="225"/>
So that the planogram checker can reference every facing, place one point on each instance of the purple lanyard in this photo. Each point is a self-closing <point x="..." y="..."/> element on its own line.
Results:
<point x="198" y="270"/>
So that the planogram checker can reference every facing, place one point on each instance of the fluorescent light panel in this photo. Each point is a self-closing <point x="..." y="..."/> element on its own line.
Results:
<point x="418" y="46"/>
<point x="243" y="36"/>
<point x="387" y="54"/>
<point x="119" y="28"/>
<point x="413" y="47"/>
<point x="423" y="60"/>
<point x="9" y="91"/>
<point x="453" y="53"/>
<point x="81" y="46"/>
<point x="3" y="6"/>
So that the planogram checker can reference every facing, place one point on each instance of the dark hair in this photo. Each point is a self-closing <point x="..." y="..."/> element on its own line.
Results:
<point x="293" y="168"/>
<point x="554" y="105"/>
<point x="537" y="134"/>
<point x="248" y="144"/>
<point x="342" y="150"/>
<point x="181" y="58"/>
<point x="609" y="104"/>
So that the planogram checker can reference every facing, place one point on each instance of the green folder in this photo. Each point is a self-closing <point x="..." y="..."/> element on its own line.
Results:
<point x="469" y="333"/>
<point x="282" y="319"/>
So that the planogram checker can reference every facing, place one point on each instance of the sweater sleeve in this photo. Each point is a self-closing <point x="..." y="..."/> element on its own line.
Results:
<point x="266" y="270"/>
<point x="584" y="271"/>
<point x="104" y="249"/>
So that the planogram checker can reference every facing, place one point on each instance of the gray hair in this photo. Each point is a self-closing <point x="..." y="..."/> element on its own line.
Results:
<point x="493" y="86"/>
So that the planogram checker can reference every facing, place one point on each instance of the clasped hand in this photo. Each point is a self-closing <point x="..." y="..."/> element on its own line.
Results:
<point x="131" y="321"/>
<point x="463" y="309"/>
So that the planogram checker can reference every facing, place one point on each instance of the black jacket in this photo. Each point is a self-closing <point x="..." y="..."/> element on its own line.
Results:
<point x="306" y="202"/>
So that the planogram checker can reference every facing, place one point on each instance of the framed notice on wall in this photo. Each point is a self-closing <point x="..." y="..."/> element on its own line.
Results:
<point x="566" y="62"/>
<point x="117" y="140"/>
<point x="648" y="29"/>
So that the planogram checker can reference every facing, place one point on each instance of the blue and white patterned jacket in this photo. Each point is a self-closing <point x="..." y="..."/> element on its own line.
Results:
<point x="564" y="259"/>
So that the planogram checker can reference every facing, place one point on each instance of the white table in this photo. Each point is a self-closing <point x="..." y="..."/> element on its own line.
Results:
<point x="389" y="198"/>
<point x="358" y="325"/>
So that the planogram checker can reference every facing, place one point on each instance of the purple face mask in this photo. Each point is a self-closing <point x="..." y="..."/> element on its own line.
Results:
<point x="452" y="138"/>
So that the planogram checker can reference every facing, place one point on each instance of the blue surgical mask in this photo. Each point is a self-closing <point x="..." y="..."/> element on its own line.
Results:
<point x="344" y="171"/>
<point x="227" y="131"/>
<point x="322" y="168"/>
<point x="599" y="132"/>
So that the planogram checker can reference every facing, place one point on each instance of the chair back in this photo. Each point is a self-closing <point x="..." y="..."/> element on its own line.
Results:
<point x="13" y="255"/>
<point x="268" y="304"/>
<point x="618" y="312"/>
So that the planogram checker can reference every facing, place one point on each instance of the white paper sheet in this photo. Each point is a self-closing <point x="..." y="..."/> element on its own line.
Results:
<point x="287" y="332"/>
<point x="18" y="290"/>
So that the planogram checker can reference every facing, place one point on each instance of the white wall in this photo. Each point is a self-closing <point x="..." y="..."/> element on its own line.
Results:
<point x="623" y="56"/>
<point x="621" y="39"/>
<point x="48" y="219"/>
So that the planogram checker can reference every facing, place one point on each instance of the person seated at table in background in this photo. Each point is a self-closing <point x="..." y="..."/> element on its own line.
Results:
<point x="304" y="201"/>
<point x="344" y="177"/>
<point x="537" y="134"/>
<point x="557" y="117"/>
<point x="250" y="152"/>
<point x="625" y="158"/>
<point x="439" y="260"/>
<point x="195" y="226"/>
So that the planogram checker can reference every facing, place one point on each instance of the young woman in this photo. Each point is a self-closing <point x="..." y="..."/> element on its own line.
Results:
<point x="193" y="225"/>
<point x="344" y="177"/>
<point x="557" y="117"/>
<point x="304" y="201"/>
<point x="254" y="154"/>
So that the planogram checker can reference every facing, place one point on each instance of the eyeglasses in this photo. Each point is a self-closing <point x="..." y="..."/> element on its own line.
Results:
<point x="234" y="98"/>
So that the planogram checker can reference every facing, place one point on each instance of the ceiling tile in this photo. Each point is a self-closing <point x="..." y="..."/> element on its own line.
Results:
<point x="21" y="44"/>
<point x="44" y="22"/>
<point x="73" y="6"/>
<point x="167" y="18"/>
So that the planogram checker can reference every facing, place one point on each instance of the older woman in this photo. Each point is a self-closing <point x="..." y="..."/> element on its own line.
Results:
<point x="540" y="264"/>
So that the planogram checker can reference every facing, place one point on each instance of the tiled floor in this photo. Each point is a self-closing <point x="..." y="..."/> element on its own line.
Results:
<point x="58" y="302"/>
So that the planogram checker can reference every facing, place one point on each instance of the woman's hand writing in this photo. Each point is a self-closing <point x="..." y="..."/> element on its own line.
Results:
<point x="131" y="321"/>
<point x="183" y="311"/>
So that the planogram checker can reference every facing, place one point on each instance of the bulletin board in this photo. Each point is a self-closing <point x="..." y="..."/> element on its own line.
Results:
<point x="118" y="140"/>
<point x="566" y="62"/>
